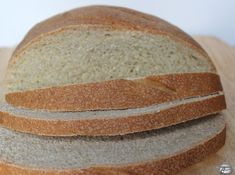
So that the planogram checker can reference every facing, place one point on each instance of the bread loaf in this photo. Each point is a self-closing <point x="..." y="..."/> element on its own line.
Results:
<point x="103" y="90"/>
<point x="116" y="71"/>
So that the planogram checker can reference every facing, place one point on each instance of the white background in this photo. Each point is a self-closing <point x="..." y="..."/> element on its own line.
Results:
<point x="204" y="17"/>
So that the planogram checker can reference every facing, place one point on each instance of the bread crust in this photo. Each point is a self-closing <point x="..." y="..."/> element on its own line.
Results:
<point x="118" y="94"/>
<point x="164" y="166"/>
<point x="117" y="18"/>
<point x="114" y="126"/>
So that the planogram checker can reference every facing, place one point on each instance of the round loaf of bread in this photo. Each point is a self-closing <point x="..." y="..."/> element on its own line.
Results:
<point x="103" y="70"/>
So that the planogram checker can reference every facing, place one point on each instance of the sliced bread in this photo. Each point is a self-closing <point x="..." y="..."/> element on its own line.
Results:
<point x="114" y="60"/>
<point x="157" y="152"/>
<point x="118" y="94"/>
<point x="109" y="122"/>
<point x="98" y="43"/>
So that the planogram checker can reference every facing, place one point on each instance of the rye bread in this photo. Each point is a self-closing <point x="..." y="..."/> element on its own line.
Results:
<point x="117" y="60"/>
<point x="164" y="151"/>
<point x="118" y="94"/>
<point x="98" y="43"/>
<point x="109" y="122"/>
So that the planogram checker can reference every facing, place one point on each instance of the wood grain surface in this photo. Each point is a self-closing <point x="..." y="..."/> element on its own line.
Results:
<point x="223" y="57"/>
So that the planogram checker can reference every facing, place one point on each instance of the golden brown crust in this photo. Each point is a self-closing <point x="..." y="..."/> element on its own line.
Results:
<point x="114" y="126"/>
<point x="114" y="17"/>
<point x="164" y="166"/>
<point x="118" y="94"/>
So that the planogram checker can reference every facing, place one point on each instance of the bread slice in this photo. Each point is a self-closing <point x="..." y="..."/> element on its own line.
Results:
<point x="109" y="122"/>
<point x="118" y="94"/>
<point x="163" y="151"/>
<point x="98" y="43"/>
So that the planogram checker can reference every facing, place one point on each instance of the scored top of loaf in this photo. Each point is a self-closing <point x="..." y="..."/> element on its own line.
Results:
<point x="116" y="17"/>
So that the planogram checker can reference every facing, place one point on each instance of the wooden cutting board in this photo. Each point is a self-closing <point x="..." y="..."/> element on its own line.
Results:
<point x="223" y="57"/>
